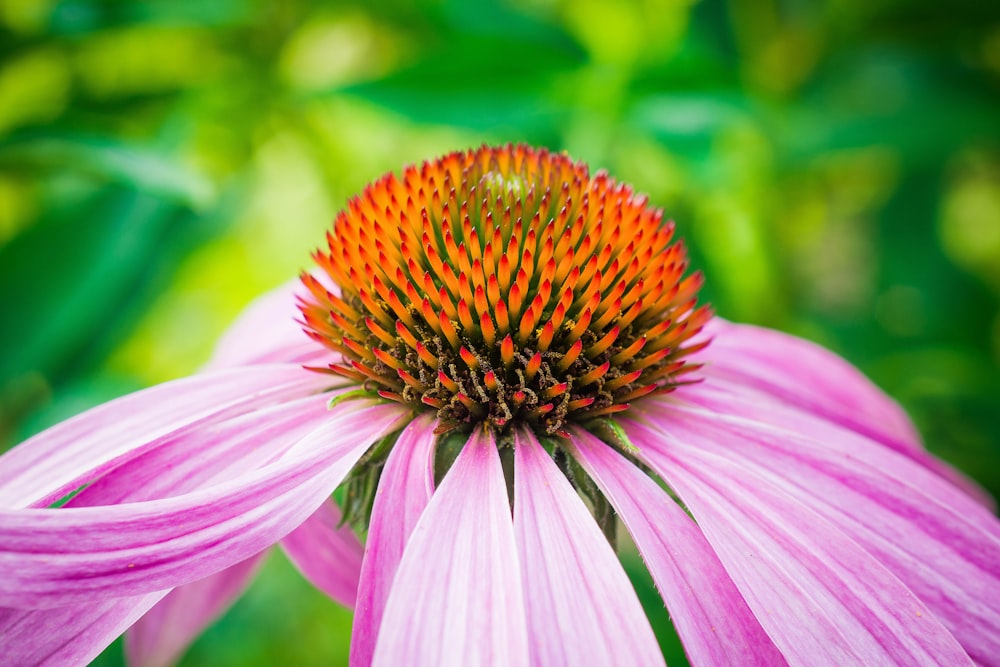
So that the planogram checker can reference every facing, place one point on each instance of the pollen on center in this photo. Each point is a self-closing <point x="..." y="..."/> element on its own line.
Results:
<point x="503" y="286"/>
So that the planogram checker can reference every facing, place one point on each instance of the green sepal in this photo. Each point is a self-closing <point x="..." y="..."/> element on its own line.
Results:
<point x="601" y="508"/>
<point x="352" y="395"/>
<point x="611" y="432"/>
<point x="357" y="494"/>
<point x="449" y="446"/>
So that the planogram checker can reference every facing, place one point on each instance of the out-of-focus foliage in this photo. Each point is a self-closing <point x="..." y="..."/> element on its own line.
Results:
<point x="835" y="168"/>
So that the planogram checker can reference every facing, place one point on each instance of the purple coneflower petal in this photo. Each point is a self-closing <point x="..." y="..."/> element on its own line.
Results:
<point x="821" y="598"/>
<point x="582" y="609"/>
<point x="727" y="397"/>
<point x="790" y="371"/>
<point x="797" y="372"/>
<point x="193" y="459"/>
<point x="72" y="635"/>
<point x="404" y="490"/>
<point x="188" y="461"/>
<point x="710" y="614"/>
<point x="59" y="557"/>
<point x="55" y="462"/>
<point x="267" y="331"/>
<point x="456" y="598"/>
<point x="326" y="553"/>
<point x="944" y="546"/>
<point x="162" y="635"/>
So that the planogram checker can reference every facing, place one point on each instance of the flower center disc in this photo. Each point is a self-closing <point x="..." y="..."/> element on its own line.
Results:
<point x="505" y="286"/>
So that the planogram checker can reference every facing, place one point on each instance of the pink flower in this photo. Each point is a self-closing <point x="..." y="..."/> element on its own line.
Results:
<point x="502" y="315"/>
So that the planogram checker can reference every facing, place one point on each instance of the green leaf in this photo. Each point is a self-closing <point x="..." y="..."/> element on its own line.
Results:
<point x="141" y="168"/>
<point x="484" y="79"/>
<point x="68" y="285"/>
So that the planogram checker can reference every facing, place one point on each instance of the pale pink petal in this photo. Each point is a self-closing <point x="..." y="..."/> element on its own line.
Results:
<point x="791" y="372"/>
<point x="189" y="460"/>
<point x="55" y="557"/>
<point x="941" y="544"/>
<point x="710" y="614"/>
<point x="800" y="373"/>
<point x="267" y="331"/>
<point x="820" y="597"/>
<point x="51" y="464"/>
<point x="174" y="468"/>
<point x="72" y="635"/>
<point x="456" y="599"/>
<point x="404" y="490"/>
<point x="716" y="391"/>
<point x="162" y="635"/>
<point x="581" y="607"/>
<point x="326" y="553"/>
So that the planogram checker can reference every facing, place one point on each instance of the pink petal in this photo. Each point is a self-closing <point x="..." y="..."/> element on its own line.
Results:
<point x="267" y="331"/>
<point x="404" y="490"/>
<point x="821" y="598"/>
<point x="326" y="553"/>
<point x="797" y="372"/>
<point x="160" y="637"/>
<point x="193" y="459"/>
<point x="72" y="635"/>
<point x="186" y="462"/>
<point x="59" y="557"/>
<point x="734" y="399"/>
<point x="941" y="544"/>
<point x="51" y="464"/>
<point x="581" y="607"/>
<point x="456" y="598"/>
<point x="710" y="614"/>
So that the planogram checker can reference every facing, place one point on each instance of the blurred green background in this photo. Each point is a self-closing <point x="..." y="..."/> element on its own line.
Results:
<point x="835" y="168"/>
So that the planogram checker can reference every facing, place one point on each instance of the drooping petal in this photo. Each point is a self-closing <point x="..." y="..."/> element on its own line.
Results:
<point x="944" y="546"/>
<point x="326" y="553"/>
<point x="186" y="462"/>
<point x="581" y="607"/>
<point x="193" y="459"/>
<point x="716" y="391"/>
<point x="267" y="331"/>
<point x="162" y="635"/>
<point x="797" y="372"/>
<point x="456" y="599"/>
<point x="72" y="635"/>
<point x="711" y="616"/>
<point x="404" y="489"/>
<point x="55" y="557"/>
<point x="57" y="461"/>
<point x="820" y="597"/>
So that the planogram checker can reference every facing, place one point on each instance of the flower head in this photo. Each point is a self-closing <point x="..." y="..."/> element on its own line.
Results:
<point x="505" y="286"/>
<point x="491" y="336"/>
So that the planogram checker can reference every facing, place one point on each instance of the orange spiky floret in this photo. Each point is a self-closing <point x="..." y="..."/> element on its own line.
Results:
<point x="506" y="285"/>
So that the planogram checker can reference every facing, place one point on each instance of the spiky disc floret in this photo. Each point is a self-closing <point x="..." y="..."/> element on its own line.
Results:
<point x="505" y="285"/>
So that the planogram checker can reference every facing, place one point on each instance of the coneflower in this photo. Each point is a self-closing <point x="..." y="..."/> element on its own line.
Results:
<point x="503" y="356"/>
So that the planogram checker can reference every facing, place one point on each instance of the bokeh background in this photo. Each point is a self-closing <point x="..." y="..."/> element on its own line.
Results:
<point x="835" y="168"/>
